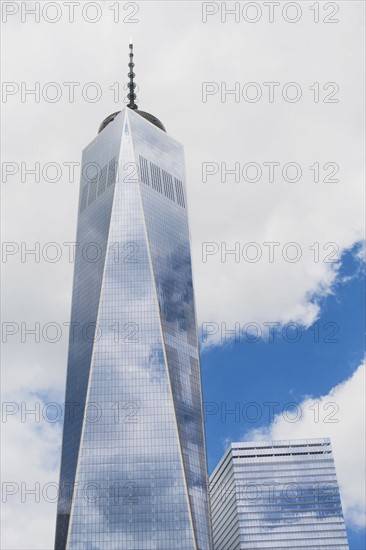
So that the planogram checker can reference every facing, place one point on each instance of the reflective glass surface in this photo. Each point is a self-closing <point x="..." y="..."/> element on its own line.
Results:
<point x="277" y="494"/>
<point x="91" y="238"/>
<point x="138" y="458"/>
<point x="168" y="235"/>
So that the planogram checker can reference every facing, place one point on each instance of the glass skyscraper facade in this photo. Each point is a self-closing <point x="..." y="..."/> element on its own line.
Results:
<point x="277" y="494"/>
<point x="133" y="468"/>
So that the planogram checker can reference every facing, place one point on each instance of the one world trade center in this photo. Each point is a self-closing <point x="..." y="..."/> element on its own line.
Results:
<point x="133" y="468"/>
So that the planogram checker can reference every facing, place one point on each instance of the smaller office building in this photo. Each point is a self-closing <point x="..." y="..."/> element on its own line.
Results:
<point x="277" y="494"/>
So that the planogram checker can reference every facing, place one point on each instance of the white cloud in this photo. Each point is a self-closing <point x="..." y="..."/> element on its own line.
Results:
<point x="31" y="451"/>
<point x="187" y="52"/>
<point x="346" y="428"/>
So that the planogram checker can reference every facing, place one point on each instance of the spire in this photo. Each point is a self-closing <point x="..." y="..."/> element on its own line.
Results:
<point x="131" y="85"/>
<point x="131" y="96"/>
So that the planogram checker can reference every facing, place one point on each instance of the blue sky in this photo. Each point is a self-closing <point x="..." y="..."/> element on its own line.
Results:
<point x="284" y="372"/>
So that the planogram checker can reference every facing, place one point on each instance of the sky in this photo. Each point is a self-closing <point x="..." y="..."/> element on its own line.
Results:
<point x="277" y="246"/>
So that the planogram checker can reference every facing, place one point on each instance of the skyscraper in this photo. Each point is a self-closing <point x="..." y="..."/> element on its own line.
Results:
<point x="277" y="494"/>
<point x="133" y="468"/>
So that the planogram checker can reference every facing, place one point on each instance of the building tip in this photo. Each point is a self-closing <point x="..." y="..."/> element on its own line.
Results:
<point x="130" y="40"/>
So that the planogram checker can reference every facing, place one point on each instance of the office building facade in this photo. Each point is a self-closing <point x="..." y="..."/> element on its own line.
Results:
<point x="277" y="494"/>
